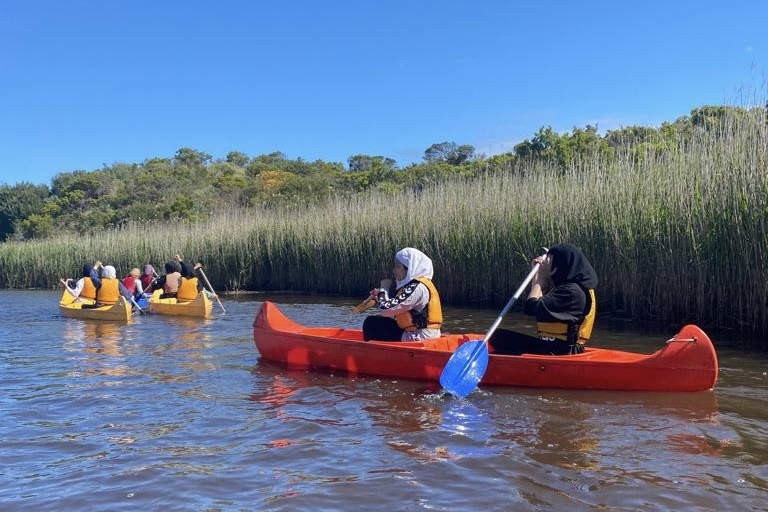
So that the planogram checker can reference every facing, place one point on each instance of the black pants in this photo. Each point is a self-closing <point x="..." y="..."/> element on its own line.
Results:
<point x="504" y="341"/>
<point x="381" y="328"/>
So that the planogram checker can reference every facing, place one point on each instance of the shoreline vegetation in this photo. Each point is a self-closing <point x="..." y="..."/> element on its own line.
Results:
<point x="677" y="235"/>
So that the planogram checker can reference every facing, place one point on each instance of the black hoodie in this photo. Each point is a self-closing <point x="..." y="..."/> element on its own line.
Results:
<point x="572" y="276"/>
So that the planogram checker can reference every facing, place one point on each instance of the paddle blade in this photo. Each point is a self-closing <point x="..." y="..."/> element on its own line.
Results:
<point x="465" y="368"/>
<point x="368" y="303"/>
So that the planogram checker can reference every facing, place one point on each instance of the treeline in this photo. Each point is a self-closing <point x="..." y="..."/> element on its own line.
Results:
<point x="676" y="231"/>
<point x="192" y="186"/>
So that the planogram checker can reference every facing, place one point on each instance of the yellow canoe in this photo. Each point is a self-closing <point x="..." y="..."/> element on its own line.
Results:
<point x="199" y="307"/>
<point x="120" y="311"/>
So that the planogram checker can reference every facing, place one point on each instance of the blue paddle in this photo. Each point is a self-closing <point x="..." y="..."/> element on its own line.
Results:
<point x="468" y="363"/>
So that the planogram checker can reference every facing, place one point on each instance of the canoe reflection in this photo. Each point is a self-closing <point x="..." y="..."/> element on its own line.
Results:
<point x="572" y="430"/>
<point x="101" y="344"/>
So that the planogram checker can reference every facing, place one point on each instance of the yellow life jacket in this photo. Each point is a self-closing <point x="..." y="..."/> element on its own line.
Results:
<point x="171" y="282"/>
<point x="109" y="292"/>
<point x="434" y="310"/>
<point x="187" y="289"/>
<point x="567" y="331"/>
<point x="89" y="289"/>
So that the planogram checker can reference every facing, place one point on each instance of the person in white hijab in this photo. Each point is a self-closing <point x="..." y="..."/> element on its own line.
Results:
<point x="109" y="281"/>
<point x="414" y="313"/>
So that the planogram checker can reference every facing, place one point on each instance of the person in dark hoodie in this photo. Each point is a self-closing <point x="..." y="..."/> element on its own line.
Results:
<point x="168" y="282"/>
<point x="562" y="299"/>
<point x="189" y="284"/>
<point x="85" y="288"/>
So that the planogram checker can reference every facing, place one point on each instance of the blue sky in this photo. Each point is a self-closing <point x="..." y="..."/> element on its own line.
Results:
<point x="87" y="84"/>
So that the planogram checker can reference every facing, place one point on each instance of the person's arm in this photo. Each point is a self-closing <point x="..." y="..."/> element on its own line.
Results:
<point x="540" y="283"/>
<point x="158" y="283"/>
<point x="410" y="297"/>
<point x="139" y="287"/>
<point x="537" y="288"/>
<point x="95" y="274"/>
<point x="541" y="278"/>
<point x="124" y="291"/>
<point x="75" y="292"/>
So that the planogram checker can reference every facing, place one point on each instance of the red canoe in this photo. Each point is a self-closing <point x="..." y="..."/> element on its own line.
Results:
<point x="686" y="362"/>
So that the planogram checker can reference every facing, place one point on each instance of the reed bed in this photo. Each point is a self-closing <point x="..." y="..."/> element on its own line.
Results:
<point x="676" y="236"/>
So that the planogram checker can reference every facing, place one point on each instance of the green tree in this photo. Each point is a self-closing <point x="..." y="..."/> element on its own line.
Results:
<point x="36" y="226"/>
<point x="191" y="157"/>
<point x="563" y="149"/>
<point x="631" y="136"/>
<point x="229" y="182"/>
<point x="237" y="158"/>
<point x="89" y="183"/>
<point x="367" y="171"/>
<point x="17" y="202"/>
<point x="365" y="163"/>
<point x="542" y="146"/>
<point x="450" y="153"/>
<point x="272" y="161"/>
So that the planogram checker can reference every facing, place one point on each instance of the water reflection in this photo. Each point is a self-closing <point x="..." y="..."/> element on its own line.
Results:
<point x="577" y="429"/>
<point x="278" y="392"/>
<point x="100" y="342"/>
<point x="191" y="338"/>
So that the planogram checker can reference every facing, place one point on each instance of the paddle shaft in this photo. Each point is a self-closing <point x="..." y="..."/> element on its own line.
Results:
<point x="467" y="364"/>
<point x="205" y="278"/>
<point x="370" y="302"/>
<point x="512" y="301"/>
<point x="133" y="301"/>
<point x="481" y="345"/>
<point x="367" y="303"/>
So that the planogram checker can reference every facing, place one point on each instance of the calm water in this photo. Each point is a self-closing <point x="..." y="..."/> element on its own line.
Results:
<point x="174" y="414"/>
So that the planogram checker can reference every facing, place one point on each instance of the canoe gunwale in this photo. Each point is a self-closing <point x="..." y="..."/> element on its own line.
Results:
<point x="199" y="307"/>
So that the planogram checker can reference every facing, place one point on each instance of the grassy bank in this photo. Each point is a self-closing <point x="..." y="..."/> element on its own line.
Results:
<point x="676" y="236"/>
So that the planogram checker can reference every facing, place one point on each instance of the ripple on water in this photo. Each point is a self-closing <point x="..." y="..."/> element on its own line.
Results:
<point x="164" y="413"/>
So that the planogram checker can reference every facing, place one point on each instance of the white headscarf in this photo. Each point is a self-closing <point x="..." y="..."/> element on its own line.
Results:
<point x="417" y="263"/>
<point x="109" y="272"/>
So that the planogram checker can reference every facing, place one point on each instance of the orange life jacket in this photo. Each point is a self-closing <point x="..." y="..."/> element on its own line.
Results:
<point x="434" y="310"/>
<point x="109" y="292"/>
<point x="89" y="289"/>
<point x="187" y="288"/>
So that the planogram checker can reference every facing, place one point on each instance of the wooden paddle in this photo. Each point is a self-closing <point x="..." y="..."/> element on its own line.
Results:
<point x="205" y="278"/>
<point x="369" y="302"/>
<point x="468" y="363"/>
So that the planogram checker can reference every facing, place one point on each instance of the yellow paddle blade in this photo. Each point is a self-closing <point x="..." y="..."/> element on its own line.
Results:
<point x="367" y="303"/>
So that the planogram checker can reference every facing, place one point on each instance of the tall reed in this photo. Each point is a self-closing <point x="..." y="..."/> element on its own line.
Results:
<point x="676" y="236"/>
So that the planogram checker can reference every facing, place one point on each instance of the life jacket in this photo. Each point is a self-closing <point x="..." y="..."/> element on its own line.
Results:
<point x="109" y="292"/>
<point x="187" y="288"/>
<point x="89" y="289"/>
<point x="572" y="332"/>
<point x="146" y="280"/>
<point x="414" y="320"/>
<point x="130" y="284"/>
<point x="171" y="283"/>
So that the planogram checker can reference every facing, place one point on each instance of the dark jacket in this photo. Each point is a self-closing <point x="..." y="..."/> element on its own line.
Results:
<point x="572" y="276"/>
